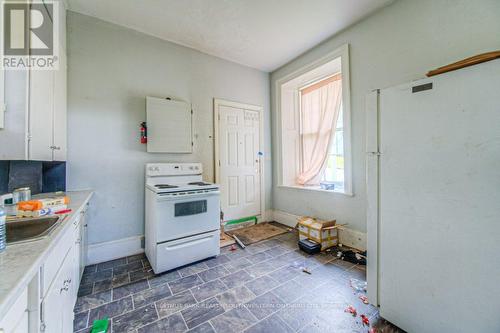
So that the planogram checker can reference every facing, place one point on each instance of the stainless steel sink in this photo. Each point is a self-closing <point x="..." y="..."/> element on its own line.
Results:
<point x="30" y="229"/>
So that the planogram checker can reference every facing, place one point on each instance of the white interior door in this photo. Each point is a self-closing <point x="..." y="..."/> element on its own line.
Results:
<point x="239" y="169"/>
<point x="439" y="202"/>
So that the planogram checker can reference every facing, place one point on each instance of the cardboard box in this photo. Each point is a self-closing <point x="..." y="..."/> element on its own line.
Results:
<point x="322" y="232"/>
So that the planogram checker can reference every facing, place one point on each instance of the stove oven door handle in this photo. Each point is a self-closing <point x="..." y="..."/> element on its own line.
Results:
<point x="171" y="197"/>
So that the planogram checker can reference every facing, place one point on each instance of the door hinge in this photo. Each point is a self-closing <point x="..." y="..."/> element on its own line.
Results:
<point x="218" y="116"/>
<point x="219" y="162"/>
<point x="191" y="111"/>
<point x="192" y="144"/>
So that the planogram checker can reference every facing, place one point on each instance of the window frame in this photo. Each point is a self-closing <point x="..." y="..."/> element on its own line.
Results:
<point x="343" y="53"/>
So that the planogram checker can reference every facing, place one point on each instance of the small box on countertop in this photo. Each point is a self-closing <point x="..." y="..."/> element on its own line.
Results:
<point x="319" y="231"/>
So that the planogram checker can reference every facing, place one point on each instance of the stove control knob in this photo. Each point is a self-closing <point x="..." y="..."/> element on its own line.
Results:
<point x="196" y="168"/>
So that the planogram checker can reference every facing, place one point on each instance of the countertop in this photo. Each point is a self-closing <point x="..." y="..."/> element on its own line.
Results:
<point x="19" y="263"/>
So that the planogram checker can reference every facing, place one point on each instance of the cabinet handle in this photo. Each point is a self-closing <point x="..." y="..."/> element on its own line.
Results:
<point x="66" y="285"/>
<point x="78" y="241"/>
<point x="55" y="148"/>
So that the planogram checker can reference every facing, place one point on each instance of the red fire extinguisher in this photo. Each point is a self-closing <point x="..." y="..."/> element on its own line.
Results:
<point x="144" y="132"/>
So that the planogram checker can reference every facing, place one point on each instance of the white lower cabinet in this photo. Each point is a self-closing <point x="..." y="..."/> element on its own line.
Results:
<point x="16" y="320"/>
<point x="46" y="305"/>
<point x="58" y="303"/>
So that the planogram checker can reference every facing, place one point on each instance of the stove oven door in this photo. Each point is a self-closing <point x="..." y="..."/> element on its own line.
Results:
<point x="186" y="215"/>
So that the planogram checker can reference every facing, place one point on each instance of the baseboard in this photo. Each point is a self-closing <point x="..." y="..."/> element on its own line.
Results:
<point x="348" y="237"/>
<point x="101" y="252"/>
<point x="285" y="218"/>
<point x="353" y="238"/>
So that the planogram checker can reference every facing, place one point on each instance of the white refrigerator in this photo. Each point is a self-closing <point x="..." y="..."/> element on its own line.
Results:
<point x="433" y="188"/>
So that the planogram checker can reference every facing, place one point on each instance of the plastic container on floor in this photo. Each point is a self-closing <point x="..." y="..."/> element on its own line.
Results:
<point x="309" y="246"/>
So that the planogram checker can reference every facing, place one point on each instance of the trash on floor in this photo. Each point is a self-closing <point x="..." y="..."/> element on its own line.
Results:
<point x="352" y="310"/>
<point x="351" y="256"/>
<point x="239" y="242"/>
<point x="100" y="326"/>
<point x="358" y="285"/>
<point x="365" y="320"/>
<point x="363" y="299"/>
<point x="306" y="270"/>
<point x="232" y="248"/>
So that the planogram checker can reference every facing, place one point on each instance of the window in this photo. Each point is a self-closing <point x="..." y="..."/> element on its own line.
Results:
<point x="314" y="126"/>
<point x="334" y="168"/>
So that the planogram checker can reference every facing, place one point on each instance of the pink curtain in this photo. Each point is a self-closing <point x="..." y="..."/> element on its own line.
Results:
<point x="320" y="106"/>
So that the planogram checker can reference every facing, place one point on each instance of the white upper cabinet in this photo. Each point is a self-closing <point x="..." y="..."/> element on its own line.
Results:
<point x="59" y="130"/>
<point x="36" y="123"/>
<point x="41" y="105"/>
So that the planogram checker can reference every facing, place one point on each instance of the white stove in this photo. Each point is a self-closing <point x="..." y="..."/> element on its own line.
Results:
<point x="182" y="215"/>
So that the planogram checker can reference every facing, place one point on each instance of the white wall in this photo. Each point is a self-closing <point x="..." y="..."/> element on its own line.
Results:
<point x="111" y="70"/>
<point x="399" y="43"/>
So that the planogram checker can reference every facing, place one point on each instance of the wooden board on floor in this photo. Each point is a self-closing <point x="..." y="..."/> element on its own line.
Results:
<point x="257" y="232"/>
<point x="226" y="240"/>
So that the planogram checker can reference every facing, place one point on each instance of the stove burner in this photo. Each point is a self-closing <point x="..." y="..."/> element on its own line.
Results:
<point x="199" y="184"/>
<point x="164" y="186"/>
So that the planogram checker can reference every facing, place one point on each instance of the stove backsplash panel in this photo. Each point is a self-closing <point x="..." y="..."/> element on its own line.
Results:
<point x="39" y="176"/>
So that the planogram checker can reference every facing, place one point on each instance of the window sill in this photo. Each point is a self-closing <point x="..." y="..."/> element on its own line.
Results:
<point x="315" y="189"/>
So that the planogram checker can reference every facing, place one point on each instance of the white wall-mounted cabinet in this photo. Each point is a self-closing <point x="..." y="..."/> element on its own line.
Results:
<point x="47" y="113"/>
<point x="169" y="125"/>
<point x="35" y="126"/>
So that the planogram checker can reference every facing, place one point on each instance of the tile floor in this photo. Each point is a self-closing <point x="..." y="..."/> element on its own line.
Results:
<point x="259" y="289"/>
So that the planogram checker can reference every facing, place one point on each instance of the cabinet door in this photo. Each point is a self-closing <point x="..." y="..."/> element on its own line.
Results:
<point x="52" y="307"/>
<point x="76" y="253"/>
<point x="41" y="104"/>
<point x="60" y="107"/>
<point x="16" y="319"/>
<point x="83" y="243"/>
<point x="70" y="290"/>
<point x="57" y="306"/>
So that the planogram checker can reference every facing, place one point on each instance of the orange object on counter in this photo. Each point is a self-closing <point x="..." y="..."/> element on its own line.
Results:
<point x="38" y="204"/>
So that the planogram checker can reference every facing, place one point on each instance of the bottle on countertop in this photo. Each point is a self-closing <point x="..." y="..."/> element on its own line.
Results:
<point x="3" y="216"/>
<point x="3" y="232"/>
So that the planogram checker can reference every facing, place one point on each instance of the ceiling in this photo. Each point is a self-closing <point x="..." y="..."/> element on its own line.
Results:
<point x="263" y="34"/>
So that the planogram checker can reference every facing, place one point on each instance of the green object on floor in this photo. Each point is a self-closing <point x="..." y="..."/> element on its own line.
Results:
<point x="245" y="219"/>
<point x="100" y="326"/>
